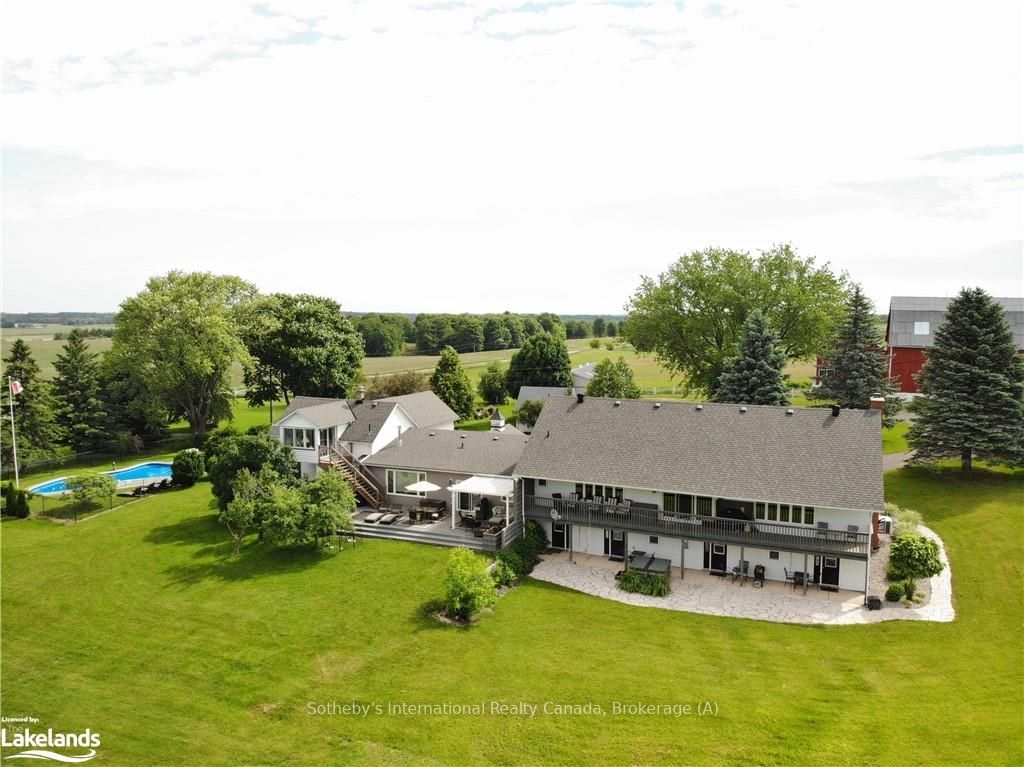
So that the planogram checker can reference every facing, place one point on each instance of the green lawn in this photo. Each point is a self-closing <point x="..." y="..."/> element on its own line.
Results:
<point x="894" y="440"/>
<point x="138" y="625"/>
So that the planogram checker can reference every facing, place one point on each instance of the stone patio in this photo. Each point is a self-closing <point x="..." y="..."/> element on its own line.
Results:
<point x="700" y="592"/>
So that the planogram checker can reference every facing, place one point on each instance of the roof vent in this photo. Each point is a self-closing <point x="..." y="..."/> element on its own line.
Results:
<point x="369" y="427"/>
<point x="462" y="436"/>
<point x="657" y="405"/>
<point x="699" y="407"/>
<point x="494" y="438"/>
<point x="743" y="409"/>
<point x="373" y="404"/>
<point x="547" y="435"/>
<point x="431" y="434"/>
<point x="835" y="411"/>
<point x="462" y="446"/>
<point x="617" y="403"/>
<point x="579" y="399"/>
<point x="789" y="411"/>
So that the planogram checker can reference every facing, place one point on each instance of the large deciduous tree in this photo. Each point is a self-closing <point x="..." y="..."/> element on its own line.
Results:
<point x="691" y="317"/>
<point x="451" y="384"/>
<point x="972" y="387"/>
<point x="856" y="364"/>
<point x="305" y="343"/>
<point x="542" y="361"/>
<point x="755" y="376"/>
<point x="255" y="452"/>
<point x="77" y="388"/>
<point x="181" y="336"/>
<point x="613" y="379"/>
<point x="492" y="386"/>
<point x="36" y="430"/>
<point x="381" y="338"/>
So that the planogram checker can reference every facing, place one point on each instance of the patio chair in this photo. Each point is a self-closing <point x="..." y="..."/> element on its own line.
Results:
<point x="789" y="575"/>
<point x="468" y="520"/>
<point x="851" y="532"/>
<point x="758" y="577"/>
<point x="822" y="528"/>
<point x="374" y="516"/>
<point x="389" y="518"/>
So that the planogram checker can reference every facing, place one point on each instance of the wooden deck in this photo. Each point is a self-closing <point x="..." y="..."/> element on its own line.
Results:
<point x="439" y="533"/>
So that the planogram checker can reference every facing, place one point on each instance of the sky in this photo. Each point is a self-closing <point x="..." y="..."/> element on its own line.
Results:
<point x="463" y="157"/>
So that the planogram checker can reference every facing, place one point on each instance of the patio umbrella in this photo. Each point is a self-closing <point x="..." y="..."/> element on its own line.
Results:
<point x="422" y="487"/>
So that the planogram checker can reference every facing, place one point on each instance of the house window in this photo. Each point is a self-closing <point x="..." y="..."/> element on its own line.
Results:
<point x="398" y="480"/>
<point x="702" y="505"/>
<point x="300" y="438"/>
<point x="758" y="511"/>
<point x="773" y="555"/>
<point x="773" y="512"/>
<point x="808" y="515"/>
<point x="542" y="482"/>
<point x="652" y="539"/>
<point x="669" y="502"/>
<point x="784" y="512"/>
<point x="921" y="329"/>
<point x="797" y="515"/>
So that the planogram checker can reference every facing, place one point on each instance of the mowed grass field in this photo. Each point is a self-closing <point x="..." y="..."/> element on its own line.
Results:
<point x="43" y="345"/>
<point x="139" y="625"/>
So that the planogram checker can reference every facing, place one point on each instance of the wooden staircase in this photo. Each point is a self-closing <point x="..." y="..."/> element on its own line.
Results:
<point x="362" y="484"/>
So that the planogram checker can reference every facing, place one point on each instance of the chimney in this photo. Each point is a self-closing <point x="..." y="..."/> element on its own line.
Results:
<point x="877" y="402"/>
<point x="497" y="420"/>
<point x="579" y="398"/>
<point x="360" y="394"/>
<point x="835" y="411"/>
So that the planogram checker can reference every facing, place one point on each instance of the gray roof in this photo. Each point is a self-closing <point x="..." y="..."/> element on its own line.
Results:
<point x="583" y="372"/>
<point x="425" y="408"/>
<point x="370" y="417"/>
<point x="458" y="452"/>
<point x="905" y="311"/>
<point x="527" y="393"/>
<point x="807" y="458"/>
<point x="321" y="411"/>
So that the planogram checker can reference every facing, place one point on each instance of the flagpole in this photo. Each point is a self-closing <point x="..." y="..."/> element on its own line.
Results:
<point x="14" y="441"/>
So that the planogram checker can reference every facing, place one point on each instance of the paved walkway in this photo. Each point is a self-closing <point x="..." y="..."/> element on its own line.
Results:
<point x="892" y="461"/>
<point x="701" y="593"/>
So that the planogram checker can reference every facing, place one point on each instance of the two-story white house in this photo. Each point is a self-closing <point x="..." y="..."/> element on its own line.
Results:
<point x="357" y="428"/>
<point x="709" y="486"/>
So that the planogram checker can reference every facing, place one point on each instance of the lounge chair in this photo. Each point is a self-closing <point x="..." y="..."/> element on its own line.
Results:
<point x="374" y="516"/>
<point x="468" y="520"/>
<point x="389" y="518"/>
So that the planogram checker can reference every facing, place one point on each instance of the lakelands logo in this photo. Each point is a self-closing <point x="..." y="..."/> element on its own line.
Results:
<point x="37" y="745"/>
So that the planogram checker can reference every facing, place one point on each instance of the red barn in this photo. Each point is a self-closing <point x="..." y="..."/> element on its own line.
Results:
<point x="911" y="330"/>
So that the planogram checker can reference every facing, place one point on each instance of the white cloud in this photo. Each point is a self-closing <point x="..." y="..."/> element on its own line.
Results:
<point x="586" y="142"/>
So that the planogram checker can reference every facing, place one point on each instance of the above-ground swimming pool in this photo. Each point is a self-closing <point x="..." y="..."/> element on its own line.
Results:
<point x="130" y="476"/>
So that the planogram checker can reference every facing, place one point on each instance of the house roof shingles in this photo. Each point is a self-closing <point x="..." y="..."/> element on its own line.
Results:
<point x="370" y="417"/>
<point x="425" y="408"/>
<point x="809" y="458"/>
<point x="439" y="450"/>
<point x="321" y="411"/>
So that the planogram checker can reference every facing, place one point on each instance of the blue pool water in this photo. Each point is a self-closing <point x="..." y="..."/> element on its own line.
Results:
<point x="152" y="470"/>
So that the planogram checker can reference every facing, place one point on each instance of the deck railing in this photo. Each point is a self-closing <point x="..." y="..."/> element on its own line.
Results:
<point x="759" y="533"/>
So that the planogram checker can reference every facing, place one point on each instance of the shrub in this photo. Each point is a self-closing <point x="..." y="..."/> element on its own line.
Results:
<point x="914" y="556"/>
<point x="468" y="585"/>
<point x="536" y="533"/>
<point x="637" y="582"/>
<point x="188" y="468"/>
<point x="15" y="501"/>
<point x="610" y="346"/>
<point x="894" y="593"/>
<point x="909" y="588"/>
<point x="503" y="574"/>
<point x="513" y="562"/>
<point x="893" y="574"/>
<point x="903" y="520"/>
<point x="595" y="343"/>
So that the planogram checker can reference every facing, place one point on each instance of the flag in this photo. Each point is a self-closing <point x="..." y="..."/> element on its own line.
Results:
<point x="16" y="388"/>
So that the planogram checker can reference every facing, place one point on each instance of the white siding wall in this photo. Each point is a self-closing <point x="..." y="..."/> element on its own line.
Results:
<point x="389" y="432"/>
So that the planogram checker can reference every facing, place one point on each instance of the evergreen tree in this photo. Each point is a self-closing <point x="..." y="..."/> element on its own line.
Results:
<point x="599" y="327"/>
<point x="612" y="329"/>
<point x="972" y="387"/>
<point x="451" y="384"/>
<point x="543" y="361"/>
<point x="33" y="408"/>
<point x="857" y="363"/>
<point x="755" y="376"/>
<point x="613" y="379"/>
<point x="80" y="412"/>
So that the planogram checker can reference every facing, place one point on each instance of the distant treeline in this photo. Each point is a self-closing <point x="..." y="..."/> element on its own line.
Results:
<point x="386" y="334"/>
<point x="88" y="333"/>
<point x="9" y="319"/>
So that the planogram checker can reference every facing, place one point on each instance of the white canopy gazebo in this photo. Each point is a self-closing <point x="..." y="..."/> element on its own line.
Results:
<point x="483" y="485"/>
